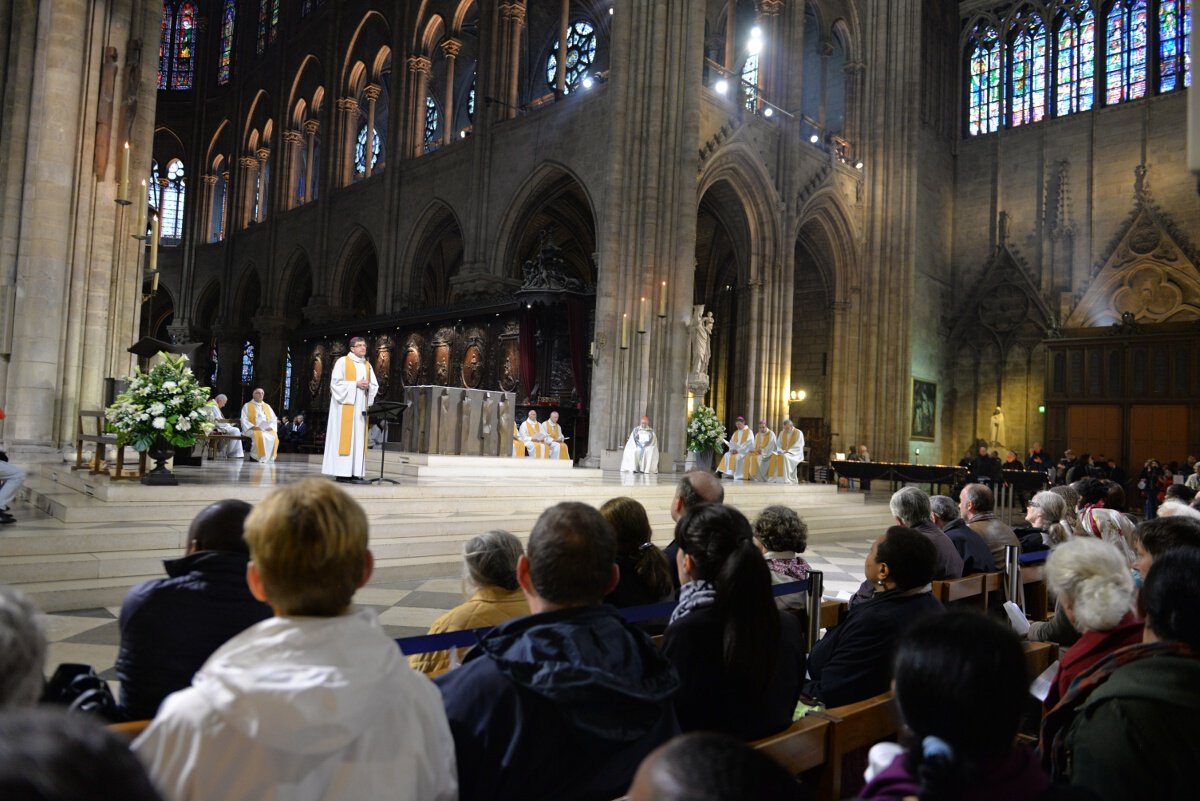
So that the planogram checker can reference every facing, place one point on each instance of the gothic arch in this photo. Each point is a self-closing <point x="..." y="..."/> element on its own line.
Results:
<point x="737" y="165"/>
<point x="307" y="92"/>
<point x="247" y="300"/>
<point x="220" y="143"/>
<point x="553" y="194"/>
<point x="207" y="306"/>
<point x="257" y="129"/>
<point x="826" y="211"/>
<point x="295" y="285"/>
<point x="433" y="256"/>
<point x="168" y="145"/>
<point x="370" y="36"/>
<point x="355" y="284"/>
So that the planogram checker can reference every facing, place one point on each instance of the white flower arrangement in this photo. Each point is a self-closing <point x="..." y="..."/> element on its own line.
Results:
<point x="166" y="402"/>
<point x="705" y="431"/>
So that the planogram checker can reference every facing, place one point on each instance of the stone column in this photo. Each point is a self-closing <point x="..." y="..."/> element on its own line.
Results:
<point x="560" y="72"/>
<point x="648" y="224"/>
<point x="731" y="36"/>
<point x="247" y="175"/>
<point x="418" y="68"/>
<point x="451" y="48"/>
<point x="292" y="142"/>
<point x="310" y="143"/>
<point x="263" y="178"/>
<point x="773" y="58"/>
<point x="347" y="114"/>
<point x="513" y="14"/>
<point x="371" y="93"/>
<point x="852" y="74"/>
<point x="206" y="216"/>
<point x="230" y="341"/>
<point x="273" y="337"/>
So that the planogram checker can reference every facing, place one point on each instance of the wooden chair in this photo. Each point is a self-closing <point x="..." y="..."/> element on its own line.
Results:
<point x="968" y="588"/>
<point x="833" y="613"/>
<point x="853" y="729"/>
<point x="97" y="437"/>
<point x="128" y="732"/>
<point x="801" y="748"/>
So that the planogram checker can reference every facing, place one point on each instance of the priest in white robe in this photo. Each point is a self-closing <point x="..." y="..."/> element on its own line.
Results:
<point x="534" y="437"/>
<point x="229" y="448"/>
<point x="785" y="461"/>
<point x="261" y="424"/>
<point x="555" y="438"/>
<point x="740" y="443"/>
<point x="352" y="388"/>
<point x="641" y="451"/>
<point x="765" y="445"/>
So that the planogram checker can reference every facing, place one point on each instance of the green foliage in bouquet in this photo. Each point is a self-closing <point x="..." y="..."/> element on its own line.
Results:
<point x="166" y="402"/>
<point x="705" y="431"/>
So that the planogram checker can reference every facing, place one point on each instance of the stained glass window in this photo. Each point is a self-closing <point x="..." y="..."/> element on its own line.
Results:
<point x="360" y="150"/>
<point x="306" y="7"/>
<point x="220" y="193"/>
<point x="471" y="98"/>
<point x="1075" y="73"/>
<point x="581" y="52"/>
<point x="153" y="188"/>
<point x="750" y="81"/>
<point x="1174" y="28"/>
<point x="431" y="121"/>
<point x="1125" y="54"/>
<point x="248" y="363"/>
<point x="1028" y="66"/>
<point x="212" y="379"/>
<point x="263" y="20"/>
<point x="985" y="91"/>
<point x="225" y="61"/>
<point x="274" y="30"/>
<point x="177" y="46"/>
<point x="172" y="203"/>
<point x="287" y="379"/>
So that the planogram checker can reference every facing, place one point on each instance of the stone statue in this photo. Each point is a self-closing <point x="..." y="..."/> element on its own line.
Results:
<point x="998" y="427"/>
<point x="472" y="367"/>
<point x="446" y="432"/>
<point x="464" y="436"/>
<point x="503" y="424"/>
<point x="701" y="326"/>
<point x="487" y="424"/>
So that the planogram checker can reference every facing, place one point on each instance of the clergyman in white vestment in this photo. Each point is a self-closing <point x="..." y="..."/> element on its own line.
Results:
<point x="534" y="437"/>
<point x="641" y="451"/>
<point x="783" y="464"/>
<point x="229" y="448"/>
<point x="555" y="438"/>
<point x="352" y="388"/>
<point x="740" y="444"/>
<point x="765" y="444"/>
<point x="261" y="423"/>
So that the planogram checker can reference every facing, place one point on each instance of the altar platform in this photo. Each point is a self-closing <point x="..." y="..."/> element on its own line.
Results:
<point x="82" y="541"/>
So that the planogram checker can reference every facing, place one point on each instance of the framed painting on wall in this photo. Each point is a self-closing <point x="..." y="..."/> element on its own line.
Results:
<point x="924" y="409"/>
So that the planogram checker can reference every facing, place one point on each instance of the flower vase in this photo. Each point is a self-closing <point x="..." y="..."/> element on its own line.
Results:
<point x="160" y="451"/>
<point x="699" y="460"/>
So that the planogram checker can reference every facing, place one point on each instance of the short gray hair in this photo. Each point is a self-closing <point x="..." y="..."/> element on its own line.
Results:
<point x="910" y="505"/>
<point x="1095" y="576"/>
<point x="22" y="650"/>
<point x="781" y="529"/>
<point x="944" y="507"/>
<point x="222" y="396"/>
<point x="980" y="497"/>
<point x="490" y="560"/>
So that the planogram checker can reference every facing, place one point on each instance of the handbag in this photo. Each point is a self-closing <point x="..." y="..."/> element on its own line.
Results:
<point x="78" y="688"/>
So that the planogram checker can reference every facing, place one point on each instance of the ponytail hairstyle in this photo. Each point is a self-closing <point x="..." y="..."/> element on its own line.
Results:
<point x="1054" y="509"/>
<point x="720" y="542"/>
<point x="947" y="668"/>
<point x="628" y="518"/>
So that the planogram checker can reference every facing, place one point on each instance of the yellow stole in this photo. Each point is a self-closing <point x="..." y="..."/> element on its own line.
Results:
<point x="762" y="440"/>
<point x="788" y="440"/>
<point x="252" y="416"/>
<point x="347" y="432"/>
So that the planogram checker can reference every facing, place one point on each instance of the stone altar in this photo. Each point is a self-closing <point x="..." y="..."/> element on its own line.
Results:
<point x="452" y="421"/>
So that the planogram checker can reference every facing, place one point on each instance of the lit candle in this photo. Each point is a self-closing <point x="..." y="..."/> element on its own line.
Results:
<point x="123" y="187"/>
<point x="662" y="300"/>
<point x="624" y="332"/>
<point x="154" y="282"/>
<point x="592" y="349"/>
<point x="642" y="318"/>
<point x="154" y="244"/>
<point x="139" y="232"/>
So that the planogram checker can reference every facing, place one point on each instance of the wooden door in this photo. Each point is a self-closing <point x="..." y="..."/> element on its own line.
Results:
<point x="1095" y="429"/>
<point x="1156" y="432"/>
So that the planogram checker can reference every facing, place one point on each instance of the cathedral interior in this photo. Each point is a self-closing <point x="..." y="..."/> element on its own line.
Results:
<point x="905" y="216"/>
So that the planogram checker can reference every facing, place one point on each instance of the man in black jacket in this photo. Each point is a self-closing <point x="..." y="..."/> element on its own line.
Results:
<point x="970" y="546"/>
<point x="170" y="626"/>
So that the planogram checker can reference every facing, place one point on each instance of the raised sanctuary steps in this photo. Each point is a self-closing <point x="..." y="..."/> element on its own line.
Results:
<point x="104" y="537"/>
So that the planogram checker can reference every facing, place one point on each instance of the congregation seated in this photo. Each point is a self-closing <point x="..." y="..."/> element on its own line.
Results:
<point x="567" y="701"/>
<point x="1046" y="529"/>
<point x="22" y="650"/>
<point x="1071" y="507"/>
<point x="170" y="626"/>
<point x="490" y="570"/>
<point x="316" y="702"/>
<point x="976" y="504"/>
<point x="740" y="660"/>
<point x="853" y="661"/>
<point x="1095" y="591"/>
<point x="707" y="766"/>
<point x="910" y="508"/>
<point x="694" y="488"/>
<point x="960" y="683"/>
<point x="976" y="556"/>
<point x="645" y="577"/>
<point x="782" y="536"/>
<point x="49" y="755"/>
<point x="1125" y="729"/>
<point x="1152" y="538"/>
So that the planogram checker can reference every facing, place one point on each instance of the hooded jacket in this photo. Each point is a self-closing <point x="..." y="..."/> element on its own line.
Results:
<point x="300" y="709"/>
<point x="558" y="705"/>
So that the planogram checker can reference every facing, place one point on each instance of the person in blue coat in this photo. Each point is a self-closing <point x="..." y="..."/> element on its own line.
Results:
<point x="853" y="661"/>
<point x="566" y="702"/>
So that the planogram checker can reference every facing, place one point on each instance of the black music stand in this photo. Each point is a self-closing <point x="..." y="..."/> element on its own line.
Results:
<point x="386" y="412"/>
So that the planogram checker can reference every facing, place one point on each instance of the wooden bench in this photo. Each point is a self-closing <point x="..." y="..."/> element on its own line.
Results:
<point x="102" y="439"/>
<point x="128" y="731"/>
<point x="1036" y="600"/>
<point x="833" y="613"/>
<point x="801" y="748"/>
<point x="853" y="729"/>
<point x="967" y="588"/>
<point x="1039" y="656"/>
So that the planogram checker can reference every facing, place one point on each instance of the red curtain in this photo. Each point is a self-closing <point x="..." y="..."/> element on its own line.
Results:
<point x="577" y="335"/>
<point x="527" y="346"/>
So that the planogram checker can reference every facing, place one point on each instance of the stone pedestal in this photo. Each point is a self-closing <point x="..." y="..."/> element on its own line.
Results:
<point x="452" y="421"/>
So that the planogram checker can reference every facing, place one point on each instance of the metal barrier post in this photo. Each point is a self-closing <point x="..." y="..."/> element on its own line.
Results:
<point x="1012" y="569"/>
<point x="816" y="584"/>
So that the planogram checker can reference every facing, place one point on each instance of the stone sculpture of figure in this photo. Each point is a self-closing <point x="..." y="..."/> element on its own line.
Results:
<point x="998" y="427"/>
<point x="504" y="423"/>
<point x="702" y="326"/>
<point x="441" y="364"/>
<point x="464" y="421"/>
<point x="318" y="371"/>
<point x="487" y="424"/>
<point x="472" y="367"/>
<point x="423" y="422"/>
<point x="446" y="425"/>
<point x="508" y="373"/>
<point x="412" y="366"/>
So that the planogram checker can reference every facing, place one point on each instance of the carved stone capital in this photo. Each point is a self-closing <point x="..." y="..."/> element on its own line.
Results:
<point x="292" y="137"/>
<point x="248" y="162"/>
<point x="347" y="104"/>
<point x="514" y="11"/>
<point x="209" y="180"/>
<point x="451" y="47"/>
<point x="372" y="92"/>
<point x="263" y="153"/>
<point x="419" y="64"/>
<point x="311" y="127"/>
<point x="770" y="8"/>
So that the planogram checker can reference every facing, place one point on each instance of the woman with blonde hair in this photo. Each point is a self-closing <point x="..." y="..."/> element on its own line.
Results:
<point x="490" y="574"/>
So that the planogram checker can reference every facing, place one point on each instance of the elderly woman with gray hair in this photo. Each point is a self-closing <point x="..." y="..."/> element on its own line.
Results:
<point x="22" y="650"/>
<point x="1047" y="529"/>
<point x="782" y="536"/>
<point x="490" y="569"/>
<point x="1096" y="592"/>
